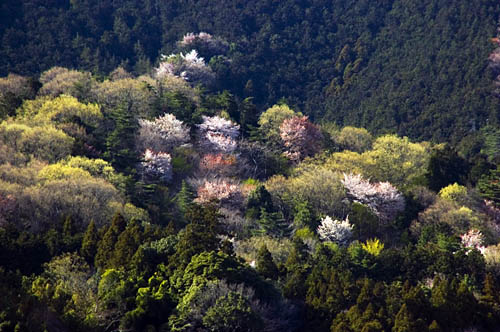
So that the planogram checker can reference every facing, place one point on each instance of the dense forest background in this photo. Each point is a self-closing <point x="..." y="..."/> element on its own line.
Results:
<point x="418" y="70"/>
<point x="249" y="166"/>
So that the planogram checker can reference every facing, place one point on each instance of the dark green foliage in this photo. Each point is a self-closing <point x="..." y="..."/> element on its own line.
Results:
<point x="184" y="198"/>
<point x="446" y="167"/>
<point x="231" y="313"/>
<point x="90" y="242"/>
<point x="120" y="143"/>
<point x="106" y="246"/>
<point x="248" y="116"/>
<point x="265" y="264"/>
<point x="259" y="199"/>
<point x="489" y="186"/>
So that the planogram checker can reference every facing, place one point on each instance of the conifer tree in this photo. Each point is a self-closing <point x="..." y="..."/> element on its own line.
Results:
<point x="184" y="198"/>
<point x="248" y="117"/>
<point x="89" y="242"/>
<point x="105" y="249"/>
<point x="265" y="263"/>
<point x="120" y="144"/>
<point x="127" y="243"/>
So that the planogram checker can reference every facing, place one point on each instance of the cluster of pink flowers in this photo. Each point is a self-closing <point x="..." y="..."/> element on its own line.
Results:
<point x="206" y="41"/>
<point x="215" y="162"/>
<point x="219" y="189"/>
<point x="301" y="137"/>
<point x="473" y="239"/>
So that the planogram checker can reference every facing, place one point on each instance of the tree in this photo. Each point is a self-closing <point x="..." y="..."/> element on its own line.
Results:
<point x="120" y="143"/>
<point x="489" y="186"/>
<point x="107" y="244"/>
<point x="265" y="264"/>
<point x="218" y="134"/>
<point x="445" y="167"/>
<point x="163" y="134"/>
<point x="156" y="165"/>
<point x="300" y="137"/>
<point x="270" y="122"/>
<point x="382" y="198"/>
<point x="336" y="231"/>
<point x="190" y="67"/>
<point x="90" y="242"/>
<point x="231" y="313"/>
<point x="354" y="139"/>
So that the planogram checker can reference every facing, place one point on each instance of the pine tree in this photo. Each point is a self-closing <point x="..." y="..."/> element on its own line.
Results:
<point x="265" y="263"/>
<point x="184" y="198"/>
<point x="127" y="243"/>
<point x="120" y="144"/>
<point x="89" y="242"/>
<point x="105" y="249"/>
<point x="248" y="116"/>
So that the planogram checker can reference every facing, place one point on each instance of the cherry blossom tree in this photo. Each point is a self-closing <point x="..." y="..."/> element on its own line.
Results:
<point x="162" y="134"/>
<point x="338" y="231"/>
<point x="382" y="198"/>
<point x="301" y="137"/>
<point x="473" y="239"/>
<point x="190" y="67"/>
<point x="218" y="164"/>
<point x="156" y="165"/>
<point x="220" y="189"/>
<point x="204" y="42"/>
<point x="218" y="134"/>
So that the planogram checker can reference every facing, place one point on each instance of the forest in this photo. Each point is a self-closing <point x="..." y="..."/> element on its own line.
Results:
<point x="252" y="166"/>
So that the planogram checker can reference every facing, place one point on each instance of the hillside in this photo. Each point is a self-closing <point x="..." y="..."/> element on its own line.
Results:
<point x="392" y="66"/>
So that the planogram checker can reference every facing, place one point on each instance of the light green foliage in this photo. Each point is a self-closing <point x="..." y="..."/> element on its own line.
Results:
<point x="45" y="142"/>
<point x="60" y="172"/>
<point x="392" y="159"/>
<point x="317" y="185"/>
<point x="231" y="313"/>
<point x="373" y="246"/>
<point x="398" y="160"/>
<point x="271" y="120"/>
<point x="279" y="248"/>
<point x="460" y="219"/>
<point x="67" y="286"/>
<point x="58" y="80"/>
<point x="454" y="192"/>
<point x="97" y="168"/>
<point x="128" y="91"/>
<point x="354" y="139"/>
<point x="62" y="109"/>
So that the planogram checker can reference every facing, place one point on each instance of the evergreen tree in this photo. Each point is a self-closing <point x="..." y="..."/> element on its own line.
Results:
<point x="105" y="249"/>
<point x="259" y="200"/>
<point x="249" y="115"/>
<point x="90" y="242"/>
<point x="184" y="198"/>
<point x="120" y="143"/>
<point x="446" y="167"/>
<point x="265" y="263"/>
<point x="127" y="243"/>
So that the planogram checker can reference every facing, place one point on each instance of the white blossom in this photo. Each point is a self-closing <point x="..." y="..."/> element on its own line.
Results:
<point x="190" y="67"/>
<point x="336" y="231"/>
<point x="157" y="165"/>
<point x="473" y="239"/>
<point x="218" y="134"/>
<point x="162" y="134"/>
<point x="382" y="197"/>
